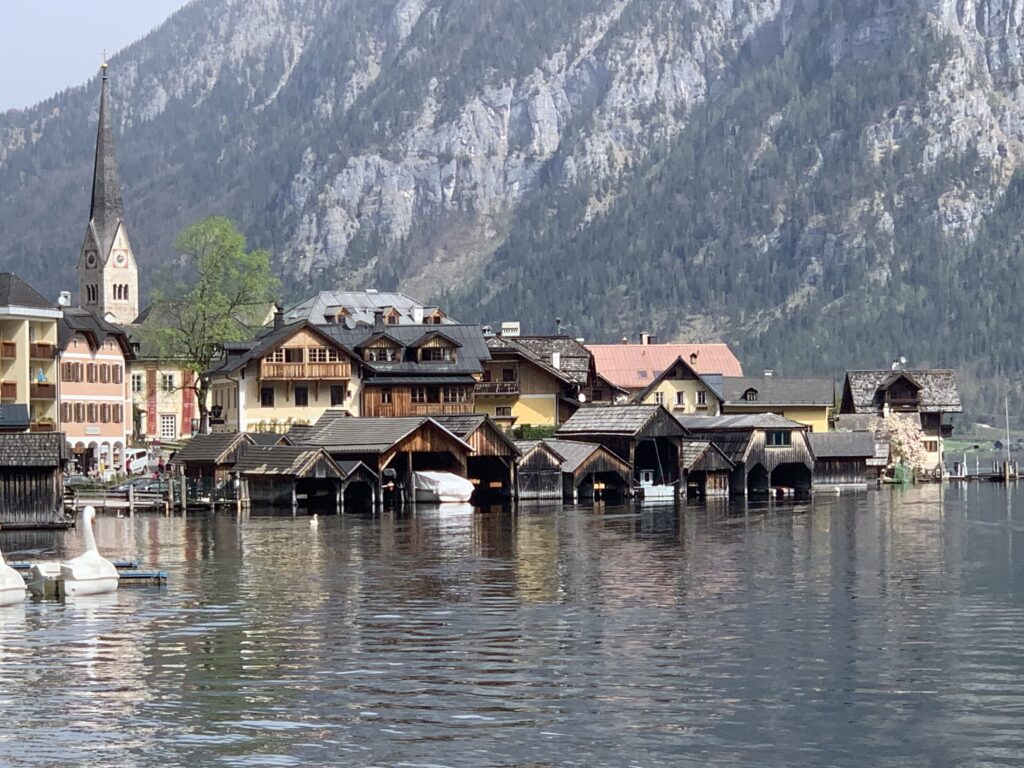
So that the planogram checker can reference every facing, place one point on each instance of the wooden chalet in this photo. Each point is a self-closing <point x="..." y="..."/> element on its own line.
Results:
<point x="31" y="480"/>
<point x="492" y="464"/>
<point x="767" y="451"/>
<point x="297" y="477"/>
<point x="391" y="448"/>
<point x="647" y="437"/>
<point x="841" y="459"/>
<point x="706" y="468"/>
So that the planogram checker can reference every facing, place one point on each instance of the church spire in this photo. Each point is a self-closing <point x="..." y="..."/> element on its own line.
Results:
<point x="107" y="209"/>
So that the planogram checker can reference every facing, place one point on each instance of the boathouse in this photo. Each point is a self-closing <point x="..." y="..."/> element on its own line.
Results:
<point x="540" y="471"/>
<point x="647" y="437"/>
<point x="31" y="485"/>
<point x="209" y="460"/>
<point x="295" y="477"/>
<point x="706" y="468"/>
<point x="591" y="471"/>
<point x="841" y="459"/>
<point x="767" y="451"/>
<point x="492" y="465"/>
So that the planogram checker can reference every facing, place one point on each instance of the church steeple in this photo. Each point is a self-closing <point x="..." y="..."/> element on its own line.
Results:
<point x="107" y="209"/>
<point x="108" y="279"/>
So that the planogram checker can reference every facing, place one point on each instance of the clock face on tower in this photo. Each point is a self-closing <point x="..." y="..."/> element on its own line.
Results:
<point x="90" y="258"/>
<point x="120" y="259"/>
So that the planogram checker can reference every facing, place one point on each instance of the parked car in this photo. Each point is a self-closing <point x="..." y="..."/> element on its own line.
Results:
<point x="140" y="484"/>
<point x="136" y="461"/>
<point x="72" y="481"/>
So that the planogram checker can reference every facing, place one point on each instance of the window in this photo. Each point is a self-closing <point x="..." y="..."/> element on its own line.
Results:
<point x="80" y="412"/>
<point x="702" y="397"/>
<point x="681" y="398"/>
<point x="117" y="413"/>
<point x="168" y="426"/>
<point x="338" y="394"/>
<point x="931" y="446"/>
<point x="750" y="395"/>
<point x="323" y="355"/>
<point x="90" y="373"/>
<point x="641" y="374"/>
<point x="393" y="318"/>
<point x="385" y="396"/>
<point x="104" y="374"/>
<point x="508" y="374"/>
<point x="117" y="374"/>
<point x="104" y="413"/>
<point x="137" y="383"/>
<point x="65" y="412"/>
<point x="167" y="382"/>
<point x="419" y="394"/>
<point x="302" y="397"/>
<point x="381" y="355"/>
<point x="455" y="395"/>
<point x="436" y="355"/>
<point x="277" y="356"/>
<point x="266" y="397"/>
<point x="659" y="398"/>
<point x="503" y="412"/>
<point x="779" y="438"/>
<point x="92" y="413"/>
<point x="295" y="355"/>
<point x="597" y="395"/>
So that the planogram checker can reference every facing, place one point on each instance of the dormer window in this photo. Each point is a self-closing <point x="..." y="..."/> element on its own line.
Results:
<point x="779" y="438"/>
<point x="437" y="355"/>
<point x="693" y="358"/>
<point x="381" y="355"/>
<point x="750" y="395"/>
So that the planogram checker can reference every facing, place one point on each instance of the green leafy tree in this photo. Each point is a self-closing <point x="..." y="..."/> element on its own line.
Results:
<point x="215" y="292"/>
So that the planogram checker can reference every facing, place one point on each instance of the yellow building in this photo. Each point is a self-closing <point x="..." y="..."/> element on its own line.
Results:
<point x="519" y="388"/>
<point x="684" y="391"/>
<point x="28" y="352"/>
<point x="806" y="400"/>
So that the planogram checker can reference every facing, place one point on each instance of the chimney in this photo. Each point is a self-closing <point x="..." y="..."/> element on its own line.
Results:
<point x="693" y="359"/>
<point x="556" y="360"/>
<point x="645" y="339"/>
<point x="378" y="320"/>
<point x="510" y="329"/>
<point x="64" y="300"/>
<point x="417" y="315"/>
<point x="278" y="317"/>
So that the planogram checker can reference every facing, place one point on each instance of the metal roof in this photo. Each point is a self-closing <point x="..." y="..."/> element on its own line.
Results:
<point x="634" y="366"/>
<point x="744" y="421"/>
<point x="14" y="416"/>
<point x="842" y="445"/>
<point x="574" y="453"/>
<point x="282" y="460"/>
<point x="348" y="434"/>
<point x="360" y="306"/>
<point x="613" y="420"/>
<point x="865" y="390"/>
<point x="15" y="292"/>
<point x="780" y="390"/>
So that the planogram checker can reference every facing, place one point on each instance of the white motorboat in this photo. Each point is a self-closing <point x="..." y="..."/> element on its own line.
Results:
<point x="652" y="491"/>
<point x="12" y="585"/>
<point x="88" y="574"/>
<point x="441" y="488"/>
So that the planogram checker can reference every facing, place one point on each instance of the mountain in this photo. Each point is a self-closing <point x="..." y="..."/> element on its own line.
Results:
<point x="824" y="183"/>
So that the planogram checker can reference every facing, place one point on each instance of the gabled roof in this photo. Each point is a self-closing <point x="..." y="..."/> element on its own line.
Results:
<point x="499" y="344"/>
<point x="575" y="360"/>
<point x="465" y="425"/>
<point x="215" y="448"/>
<point x="842" y="445"/>
<point x="780" y="390"/>
<point x="359" y="308"/>
<point x="746" y="422"/>
<point x="634" y="366"/>
<point x="711" y="382"/>
<point x="864" y="391"/>
<point x="625" y="420"/>
<point x="377" y="336"/>
<point x="32" y="449"/>
<point x="575" y="453"/>
<point x="346" y="434"/>
<point x="284" y="461"/>
<point x="704" y="456"/>
<point x="527" y="446"/>
<point x="237" y="355"/>
<point x="15" y="292"/>
<point x="429" y="335"/>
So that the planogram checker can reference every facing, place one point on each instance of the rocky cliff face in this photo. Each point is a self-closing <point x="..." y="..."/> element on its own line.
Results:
<point x="660" y="155"/>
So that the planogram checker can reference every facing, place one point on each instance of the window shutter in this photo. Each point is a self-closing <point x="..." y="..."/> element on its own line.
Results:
<point x="118" y="374"/>
<point x="118" y="415"/>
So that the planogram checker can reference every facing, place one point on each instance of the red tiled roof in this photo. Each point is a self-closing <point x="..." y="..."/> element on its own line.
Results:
<point x="634" y="366"/>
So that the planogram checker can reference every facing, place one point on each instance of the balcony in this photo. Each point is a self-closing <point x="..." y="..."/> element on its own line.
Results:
<point x="8" y="350"/>
<point x="41" y="425"/>
<point x="497" y="388"/>
<point x="8" y="390"/>
<point x="439" y="409"/>
<point x="903" y="403"/>
<point x="42" y="391"/>
<point x="270" y="371"/>
<point x="39" y="350"/>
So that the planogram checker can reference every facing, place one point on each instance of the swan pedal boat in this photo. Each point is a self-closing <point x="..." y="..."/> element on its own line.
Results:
<point x="12" y="585"/>
<point x="88" y="574"/>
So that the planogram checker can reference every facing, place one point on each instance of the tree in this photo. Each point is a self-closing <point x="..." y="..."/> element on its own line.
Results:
<point x="905" y="442"/>
<point x="216" y="292"/>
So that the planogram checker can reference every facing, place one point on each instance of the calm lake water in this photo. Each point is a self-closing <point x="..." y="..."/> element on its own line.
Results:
<point x="881" y="629"/>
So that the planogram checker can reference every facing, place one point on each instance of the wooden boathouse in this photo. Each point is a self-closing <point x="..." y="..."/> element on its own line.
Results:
<point x="841" y="459"/>
<point x="706" y="468"/>
<point x="491" y="467"/>
<point x="767" y="451"/>
<point x="31" y="480"/>
<point x="209" y="460"/>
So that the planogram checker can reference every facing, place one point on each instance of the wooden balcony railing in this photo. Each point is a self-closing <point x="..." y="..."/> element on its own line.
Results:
<point x="305" y="371"/>
<point x="8" y="390"/>
<point x="42" y="391"/>
<point x="497" y="388"/>
<point x="438" y="409"/>
<point x="41" y="425"/>
<point x="8" y="350"/>
<point x="39" y="350"/>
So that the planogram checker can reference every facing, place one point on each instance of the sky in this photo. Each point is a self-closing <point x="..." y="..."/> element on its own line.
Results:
<point x="49" y="45"/>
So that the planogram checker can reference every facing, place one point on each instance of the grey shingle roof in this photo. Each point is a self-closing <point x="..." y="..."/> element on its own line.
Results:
<point x="216" y="448"/>
<point x="15" y="292"/>
<point x="704" y="455"/>
<point x="744" y="422"/>
<point x="780" y="390"/>
<point x="612" y="420"/>
<point x="576" y="373"/>
<point x="282" y="460"/>
<point x="842" y="445"/>
<point x="265" y="438"/>
<point x="573" y="453"/>
<point x="575" y="360"/>
<point x="346" y="434"/>
<point x="37" y="449"/>
<point x="938" y="393"/>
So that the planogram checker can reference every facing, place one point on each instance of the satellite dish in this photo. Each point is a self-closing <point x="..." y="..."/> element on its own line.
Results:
<point x="582" y="398"/>
<point x="903" y="360"/>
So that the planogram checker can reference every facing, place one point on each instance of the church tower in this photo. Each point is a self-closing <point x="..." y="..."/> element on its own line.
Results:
<point x="108" y="277"/>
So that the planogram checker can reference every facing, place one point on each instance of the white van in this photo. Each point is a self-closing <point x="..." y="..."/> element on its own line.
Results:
<point x="136" y="461"/>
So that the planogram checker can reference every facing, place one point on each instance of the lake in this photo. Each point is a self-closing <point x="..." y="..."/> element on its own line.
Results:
<point x="875" y="629"/>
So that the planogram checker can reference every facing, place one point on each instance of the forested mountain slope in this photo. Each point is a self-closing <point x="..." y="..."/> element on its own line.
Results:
<point x="824" y="183"/>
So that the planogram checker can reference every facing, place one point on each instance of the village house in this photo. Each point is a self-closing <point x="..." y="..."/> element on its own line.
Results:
<point x="807" y="400"/>
<point x="682" y="390"/>
<point x="28" y="352"/>
<point x="633" y="367"/>
<point x="926" y="396"/>
<point x="352" y="309"/>
<point x="95" y="401"/>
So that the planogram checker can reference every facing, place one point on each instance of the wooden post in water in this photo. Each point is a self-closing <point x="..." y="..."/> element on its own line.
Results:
<point x="131" y="500"/>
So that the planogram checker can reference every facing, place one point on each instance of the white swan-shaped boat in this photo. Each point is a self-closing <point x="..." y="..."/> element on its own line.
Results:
<point x="88" y="574"/>
<point x="12" y="585"/>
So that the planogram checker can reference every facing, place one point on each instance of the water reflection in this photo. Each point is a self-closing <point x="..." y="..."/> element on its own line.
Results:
<point x="878" y="629"/>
